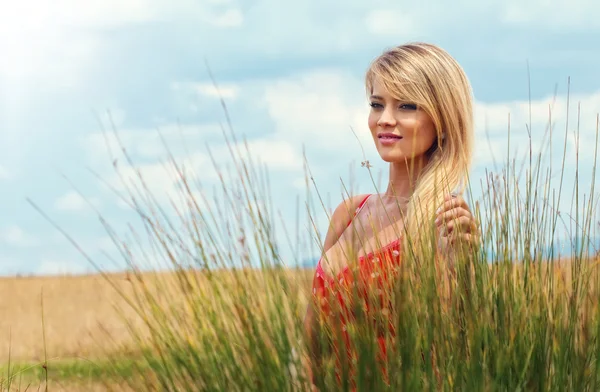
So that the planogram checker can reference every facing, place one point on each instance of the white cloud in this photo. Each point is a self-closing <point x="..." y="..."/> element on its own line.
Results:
<point x="276" y="154"/>
<point x="69" y="30"/>
<point x="151" y="159"/>
<point x="520" y="145"/>
<point x="161" y="181"/>
<point x="578" y="14"/>
<point x="146" y="144"/>
<point x="535" y="14"/>
<point x="17" y="237"/>
<point x="324" y="111"/>
<point x="318" y="109"/>
<point x="73" y="201"/>
<point x="306" y="28"/>
<point x="38" y="38"/>
<point x="227" y="91"/>
<point x="495" y="117"/>
<point x="93" y="14"/>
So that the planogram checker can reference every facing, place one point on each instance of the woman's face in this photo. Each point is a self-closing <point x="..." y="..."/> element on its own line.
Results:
<point x="411" y="130"/>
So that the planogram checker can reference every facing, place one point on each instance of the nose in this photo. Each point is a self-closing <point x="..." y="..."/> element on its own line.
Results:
<point x="386" y="119"/>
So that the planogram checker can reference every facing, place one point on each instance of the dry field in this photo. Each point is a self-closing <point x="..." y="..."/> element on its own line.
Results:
<point x="82" y="321"/>
<point x="79" y="315"/>
<point x="78" y="310"/>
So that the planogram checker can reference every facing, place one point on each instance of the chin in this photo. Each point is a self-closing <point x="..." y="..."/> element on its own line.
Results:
<point x="392" y="158"/>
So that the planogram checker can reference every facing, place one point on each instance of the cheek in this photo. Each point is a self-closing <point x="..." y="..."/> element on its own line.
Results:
<point x="372" y="121"/>
<point x="418" y="127"/>
<point x="410" y="126"/>
<point x="427" y="125"/>
<point x="429" y="131"/>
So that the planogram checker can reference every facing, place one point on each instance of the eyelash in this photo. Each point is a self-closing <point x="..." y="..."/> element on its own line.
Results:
<point x="405" y="106"/>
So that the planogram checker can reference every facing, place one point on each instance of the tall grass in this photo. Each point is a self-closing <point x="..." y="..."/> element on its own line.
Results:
<point x="13" y="380"/>
<point x="230" y="315"/>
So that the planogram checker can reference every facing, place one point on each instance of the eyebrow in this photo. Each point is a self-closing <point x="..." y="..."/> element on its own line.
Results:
<point x="376" y="97"/>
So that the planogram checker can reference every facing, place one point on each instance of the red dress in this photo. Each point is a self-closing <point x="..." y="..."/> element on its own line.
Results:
<point x="373" y="274"/>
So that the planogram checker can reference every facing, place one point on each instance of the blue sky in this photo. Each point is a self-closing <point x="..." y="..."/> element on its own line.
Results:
<point x="291" y="75"/>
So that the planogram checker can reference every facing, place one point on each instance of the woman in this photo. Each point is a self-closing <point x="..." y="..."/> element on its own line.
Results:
<point x="421" y="122"/>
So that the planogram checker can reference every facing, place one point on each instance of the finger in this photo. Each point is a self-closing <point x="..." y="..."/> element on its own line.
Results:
<point x="467" y="239"/>
<point x="452" y="214"/>
<point x="460" y="216"/>
<point x="457" y="240"/>
<point x="463" y="224"/>
<point x="443" y="241"/>
<point x="452" y="241"/>
<point x="452" y="202"/>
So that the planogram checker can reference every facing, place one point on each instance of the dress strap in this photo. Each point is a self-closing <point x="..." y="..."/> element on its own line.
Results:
<point x="360" y="206"/>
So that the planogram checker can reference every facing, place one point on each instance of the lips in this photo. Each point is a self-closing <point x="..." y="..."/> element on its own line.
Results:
<point x="388" y="135"/>
<point x="388" y="138"/>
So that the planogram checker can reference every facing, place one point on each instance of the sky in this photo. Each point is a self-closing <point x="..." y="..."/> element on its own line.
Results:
<point x="291" y="75"/>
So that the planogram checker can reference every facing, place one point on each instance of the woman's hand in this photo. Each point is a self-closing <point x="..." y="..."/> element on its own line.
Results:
<point x="457" y="232"/>
<point x="455" y="224"/>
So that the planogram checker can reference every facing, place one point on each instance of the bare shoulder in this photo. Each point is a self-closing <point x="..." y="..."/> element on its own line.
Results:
<point x="342" y="214"/>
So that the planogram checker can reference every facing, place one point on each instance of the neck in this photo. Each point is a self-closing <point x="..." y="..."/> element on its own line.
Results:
<point x="403" y="178"/>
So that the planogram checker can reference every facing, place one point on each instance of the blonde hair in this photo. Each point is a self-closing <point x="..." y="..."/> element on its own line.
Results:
<point x="426" y="75"/>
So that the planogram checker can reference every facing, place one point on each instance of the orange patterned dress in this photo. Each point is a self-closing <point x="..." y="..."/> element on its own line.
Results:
<point x="372" y="278"/>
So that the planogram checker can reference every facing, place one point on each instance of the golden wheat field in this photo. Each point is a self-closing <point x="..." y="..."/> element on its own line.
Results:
<point x="80" y="317"/>
<point x="78" y="313"/>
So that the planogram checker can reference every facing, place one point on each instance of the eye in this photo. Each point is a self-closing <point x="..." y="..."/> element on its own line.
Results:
<point x="408" y="106"/>
<point x="375" y="105"/>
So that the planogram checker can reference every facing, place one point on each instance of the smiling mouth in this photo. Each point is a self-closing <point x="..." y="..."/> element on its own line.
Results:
<point x="389" y="137"/>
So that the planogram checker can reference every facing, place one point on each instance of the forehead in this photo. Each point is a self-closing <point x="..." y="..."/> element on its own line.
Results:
<point x="381" y="91"/>
<point x="377" y="86"/>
